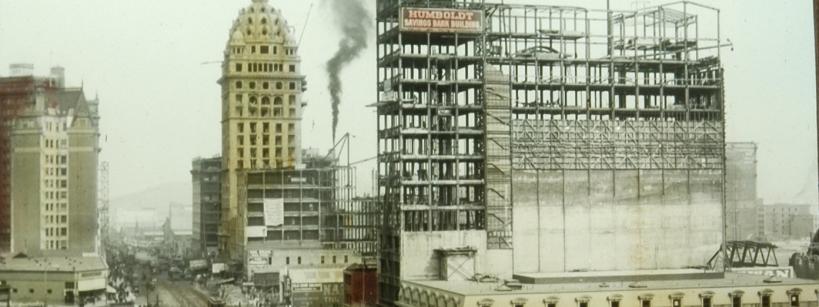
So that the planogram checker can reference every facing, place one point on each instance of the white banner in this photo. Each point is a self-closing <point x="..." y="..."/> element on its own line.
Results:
<point x="256" y="231"/>
<point x="274" y="211"/>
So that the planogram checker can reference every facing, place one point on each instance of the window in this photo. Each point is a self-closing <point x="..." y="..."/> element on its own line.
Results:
<point x="334" y="259"/>
<point x="345" y="259"/>
<point x="239" y="84"/>
<point x="279" y="85"/>
<point x="265" y="85"/>
<point x="30" y="290"/>
<point x="238" y="67"/>
<point x="706" y="302"/>
<point x="613" y="304"/>
<point x="299" y="260"/>
<point x="676" y="302"/>
<point x="765" y="300"/>
<point x="322" y="259"/>
<point x="292" y="68"/>
<point x="794" y="300"/>
<point x="264" y="49"/>
<point x="292" y="85"/>
<point x="252" y="85"/>
<point x="736" y="301"/>
<point x="584" y="304"/>
<point x="645" y="303"/>
<point x="287" y="260"/>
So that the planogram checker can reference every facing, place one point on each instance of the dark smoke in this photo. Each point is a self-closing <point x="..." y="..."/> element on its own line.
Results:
<point x="354" y="22"/>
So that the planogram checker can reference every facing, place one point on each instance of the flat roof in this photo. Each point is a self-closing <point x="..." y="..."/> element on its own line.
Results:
<point x="52" y="264"/>
<point x="605" y="276"/>
<point x="729" y="280"/>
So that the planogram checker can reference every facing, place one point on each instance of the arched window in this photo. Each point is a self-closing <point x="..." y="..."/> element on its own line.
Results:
<point x="264" y="20"/>
<point x="265" y="100"/>
<point x="277" y="100"/>
<point x="253" y="100"/>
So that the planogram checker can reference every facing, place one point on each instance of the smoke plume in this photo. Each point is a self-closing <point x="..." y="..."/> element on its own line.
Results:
<point x="354" y="22"/>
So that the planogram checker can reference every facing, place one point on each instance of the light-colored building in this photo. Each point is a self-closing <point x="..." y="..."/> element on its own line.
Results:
<point x="262" y="86"/>
<point x="732" y="290"/>
<point x="54" y="280"/>
<point x="741" y="200"/>
<point x="54" y="159"/>
<point x="786" y="221"/>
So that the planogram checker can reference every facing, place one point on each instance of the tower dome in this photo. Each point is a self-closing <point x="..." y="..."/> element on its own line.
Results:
<point x="261" y="23"/>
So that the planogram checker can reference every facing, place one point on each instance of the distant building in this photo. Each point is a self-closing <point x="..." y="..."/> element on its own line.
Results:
<point x="53" y="165"/>
<point x="207" y="199"/>
<point x="741" y="199"/>
<point x="786" y="221"/>
<point x="262" y="86"/>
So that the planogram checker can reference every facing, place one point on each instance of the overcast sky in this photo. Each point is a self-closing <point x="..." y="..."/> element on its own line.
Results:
<point x="161" y="105"/>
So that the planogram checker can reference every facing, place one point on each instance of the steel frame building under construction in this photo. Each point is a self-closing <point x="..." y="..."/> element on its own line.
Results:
<point x="568" y="113"/>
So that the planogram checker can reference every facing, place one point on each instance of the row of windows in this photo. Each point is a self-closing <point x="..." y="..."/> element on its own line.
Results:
<point x="265" y="127"/>
<point x="51" y="207"/>
<point x="50" y="143"/>
<point x="298" y="260"/>
<point x="422" y="298"/>
<point x="60" y="184"/>
<point x="56" y="244"/>
<point x="265" y="112"/>
<point x="265" y="100"/>
<point x="254" y="152"/>
<point x="56" y="195"/>
<point x="52" y="171"/>
<point x="265" y="140"/>
<point x="265" y="85"/>
<point x="54" y="232"/>
<point x="61" y="159"/>
<point x="263" y="67"/>
<point x="56" y="219"/>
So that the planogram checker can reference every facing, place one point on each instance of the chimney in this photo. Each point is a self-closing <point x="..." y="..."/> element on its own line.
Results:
<point x="58" y="74"/>
<point x="21" y="70"/>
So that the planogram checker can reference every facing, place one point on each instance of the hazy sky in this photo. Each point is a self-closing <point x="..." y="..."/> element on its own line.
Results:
<point x="161" y="106"/>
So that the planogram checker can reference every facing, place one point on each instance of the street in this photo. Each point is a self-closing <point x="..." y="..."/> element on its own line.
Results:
<point x="173" y="294"/>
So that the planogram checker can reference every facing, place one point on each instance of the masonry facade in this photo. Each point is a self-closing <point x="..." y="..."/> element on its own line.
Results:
<point x="262" y="86"/>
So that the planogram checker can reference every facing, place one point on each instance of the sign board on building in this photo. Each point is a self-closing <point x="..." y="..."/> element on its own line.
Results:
<point x="198" y="264"/>
<point x="217" y="268"/>
<point x="441" y="20"/>
<point x="273" y="211"/>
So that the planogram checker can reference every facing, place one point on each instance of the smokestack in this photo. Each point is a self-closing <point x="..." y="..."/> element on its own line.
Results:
<point x="58" y="74"/>
<point x="21" y="69"/>
<point x="355" y="24"/>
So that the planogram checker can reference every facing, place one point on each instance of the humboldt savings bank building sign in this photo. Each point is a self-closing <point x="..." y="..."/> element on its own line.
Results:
<point x="441" y="20"/>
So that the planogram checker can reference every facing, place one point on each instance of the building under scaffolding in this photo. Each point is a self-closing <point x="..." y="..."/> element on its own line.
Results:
<point x="305" y="220"/>
<point x="572" y="115"/>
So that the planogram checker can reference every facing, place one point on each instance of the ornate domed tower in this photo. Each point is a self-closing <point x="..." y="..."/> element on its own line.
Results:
<point x="261" y="108"/>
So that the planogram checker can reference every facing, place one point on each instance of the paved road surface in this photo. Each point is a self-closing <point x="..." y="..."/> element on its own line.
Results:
<point x="176" y="294"/>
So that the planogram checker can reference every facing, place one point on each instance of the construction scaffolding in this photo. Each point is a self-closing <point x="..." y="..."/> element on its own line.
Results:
<point x="533" y="87"/>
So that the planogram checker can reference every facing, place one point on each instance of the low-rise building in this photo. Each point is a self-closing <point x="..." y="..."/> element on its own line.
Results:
<point x="588" y="290"/>
<point x="54" y="280"/>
